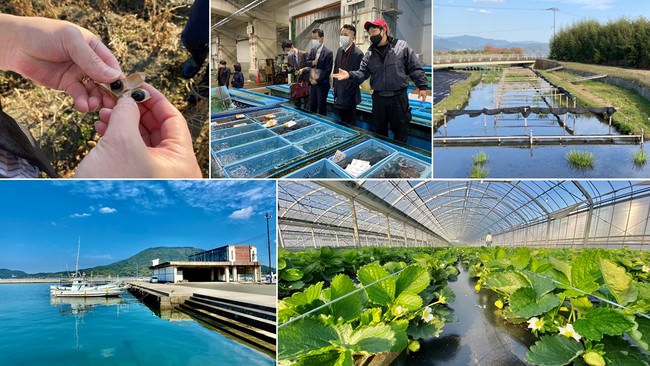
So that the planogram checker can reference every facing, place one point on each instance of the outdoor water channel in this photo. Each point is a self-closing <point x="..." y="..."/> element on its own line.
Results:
<point x="521" y="88"/>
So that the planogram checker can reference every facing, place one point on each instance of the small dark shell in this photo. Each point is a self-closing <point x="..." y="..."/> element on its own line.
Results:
<point x="116" y="85"/>
<point x="138" y="95"/>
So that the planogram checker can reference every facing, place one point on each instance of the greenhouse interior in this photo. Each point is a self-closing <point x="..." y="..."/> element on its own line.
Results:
<point x="464" y="272"/>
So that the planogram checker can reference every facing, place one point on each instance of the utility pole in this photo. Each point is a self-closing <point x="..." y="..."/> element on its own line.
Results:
<point x="268" y="244"/>
<point x="554" y="10"/>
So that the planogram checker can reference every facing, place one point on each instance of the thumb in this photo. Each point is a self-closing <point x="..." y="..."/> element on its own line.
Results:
<point x="125" y="119"/>
<point x="90" y="59"/>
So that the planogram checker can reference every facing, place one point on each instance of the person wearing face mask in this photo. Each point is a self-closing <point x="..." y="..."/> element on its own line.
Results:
<point x="389" y="62"/>
<point x="346" y="92"/>
<point x="295" y="57"/>
<point x="297" y="61"/>
<point x="320" y="62"/>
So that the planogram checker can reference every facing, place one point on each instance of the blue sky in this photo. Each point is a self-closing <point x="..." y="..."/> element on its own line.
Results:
<point x="41" y="220"/>
<point x="520" y="20"/>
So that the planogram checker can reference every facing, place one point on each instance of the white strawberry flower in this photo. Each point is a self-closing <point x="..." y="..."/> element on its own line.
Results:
<point x="535" y="323"/>
<point x="569" y="332"/>
<point x="427" y="316"/>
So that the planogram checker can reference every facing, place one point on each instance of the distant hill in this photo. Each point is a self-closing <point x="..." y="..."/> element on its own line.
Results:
<point x="137" y="264"/>
<point x="477" y="43"/>
<point x="8" y="273"/>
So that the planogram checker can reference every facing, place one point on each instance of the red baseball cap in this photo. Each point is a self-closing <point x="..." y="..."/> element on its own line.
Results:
<point x="376" y="23"/>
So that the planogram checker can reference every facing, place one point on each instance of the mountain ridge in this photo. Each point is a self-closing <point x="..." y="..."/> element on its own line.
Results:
<point x="467" y="42"/>
<point x="135" y="265"/>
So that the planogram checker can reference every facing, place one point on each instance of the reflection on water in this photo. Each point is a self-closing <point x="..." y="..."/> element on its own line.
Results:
<point x="105" y="332"/>
<point x="524" y="162"/>
<point x="79" y="306"/>
<point x="478" y="337"/>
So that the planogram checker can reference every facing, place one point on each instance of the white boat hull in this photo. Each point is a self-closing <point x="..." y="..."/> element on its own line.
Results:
<point x="107" y="292"/>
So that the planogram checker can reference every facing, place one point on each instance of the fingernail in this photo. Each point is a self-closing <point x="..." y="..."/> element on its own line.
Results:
<point x="113" y="74"/>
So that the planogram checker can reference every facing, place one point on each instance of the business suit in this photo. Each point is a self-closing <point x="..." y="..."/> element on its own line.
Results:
<point x="297" y="61"/>
<point x="346" y="92"/>
<point x="318" y="92"/>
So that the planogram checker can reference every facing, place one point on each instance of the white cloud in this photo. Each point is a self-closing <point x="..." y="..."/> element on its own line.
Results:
<point x="482" y="11"/>
<point x="144" y="194"/>
<point x="107" y="210"/>
<point x="242" y="214"/>
<point x="215" y="196"/>
<point x="80" y="215"/>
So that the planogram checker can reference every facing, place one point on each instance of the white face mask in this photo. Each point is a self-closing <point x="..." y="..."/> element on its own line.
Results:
<point x="315" y="43"/>
<point x="344" y="41"/>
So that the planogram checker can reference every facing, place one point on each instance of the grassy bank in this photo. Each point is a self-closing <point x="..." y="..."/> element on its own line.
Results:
<point x="633" y="109"/>
<point x="642" y="77"/>
<point x="457" y="98"/>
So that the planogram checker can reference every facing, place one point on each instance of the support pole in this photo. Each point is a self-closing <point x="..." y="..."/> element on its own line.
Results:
<point x="355" y="225"/>
<point x="390" y="240"/>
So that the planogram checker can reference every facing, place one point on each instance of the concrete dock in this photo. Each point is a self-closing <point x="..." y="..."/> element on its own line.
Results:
<point x="244" y="311"/>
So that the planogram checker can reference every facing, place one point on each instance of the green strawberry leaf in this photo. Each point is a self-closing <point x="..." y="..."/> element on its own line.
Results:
<point x="601" y="321"/>
<point x="554" y="351"/>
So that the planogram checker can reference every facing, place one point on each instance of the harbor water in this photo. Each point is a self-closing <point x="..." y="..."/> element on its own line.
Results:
<point x="40" y="330"/>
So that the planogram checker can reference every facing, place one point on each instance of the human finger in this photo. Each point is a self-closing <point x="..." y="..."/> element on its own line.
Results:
<point x="86" y="58"/>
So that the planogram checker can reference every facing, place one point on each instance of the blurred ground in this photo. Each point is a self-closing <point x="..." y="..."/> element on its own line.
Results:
<point x="144" y="35"/>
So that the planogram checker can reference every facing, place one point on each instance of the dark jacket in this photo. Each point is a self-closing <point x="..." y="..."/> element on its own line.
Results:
<point x="302" y="61"/>
<point x="324" y="65"/>
<point x="390" y="75"/>
<point x="346" y="92"/>
<point x="223" y="76"/>
<point x="238" y="80"/>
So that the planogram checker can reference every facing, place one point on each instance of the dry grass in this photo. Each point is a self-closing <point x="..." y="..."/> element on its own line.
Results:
<point x="143" y="35"/>
<point x="640" y="76"/>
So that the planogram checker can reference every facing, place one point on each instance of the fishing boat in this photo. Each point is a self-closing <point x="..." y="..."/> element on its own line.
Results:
<point x="80" y="287"/>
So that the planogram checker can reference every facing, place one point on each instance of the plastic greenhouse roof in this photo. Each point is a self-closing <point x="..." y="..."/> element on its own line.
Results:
<point x="453" y="209"/>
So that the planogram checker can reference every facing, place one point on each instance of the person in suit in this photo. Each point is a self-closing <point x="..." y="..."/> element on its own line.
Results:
<point x="297" y="61"/>
<point x="296" y="58"/>
<point x="346" y="92"/>
<point x="320" y="61"/>
<point x="223" y="76"/>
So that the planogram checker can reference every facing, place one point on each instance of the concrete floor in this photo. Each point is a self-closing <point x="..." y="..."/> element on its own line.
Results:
<point x="248" y="293"/>
<point x="234" y="287"/>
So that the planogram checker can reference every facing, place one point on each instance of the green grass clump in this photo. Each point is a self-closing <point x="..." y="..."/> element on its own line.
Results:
<point x="640" y="158"/>
<point x="458" y="97"/>
<point x="580" y="159"/>
<point x="481" y="158"/>
<point x="478" y="172"/>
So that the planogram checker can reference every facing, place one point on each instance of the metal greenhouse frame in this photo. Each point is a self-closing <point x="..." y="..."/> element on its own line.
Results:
<point x="533" y="213"/>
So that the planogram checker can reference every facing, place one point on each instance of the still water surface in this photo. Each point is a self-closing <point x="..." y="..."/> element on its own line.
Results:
<point x="38" y="330"/>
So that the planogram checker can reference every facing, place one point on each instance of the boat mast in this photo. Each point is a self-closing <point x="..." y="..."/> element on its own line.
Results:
<point x="76" y="266"/>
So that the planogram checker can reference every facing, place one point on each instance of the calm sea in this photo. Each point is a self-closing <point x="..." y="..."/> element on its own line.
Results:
<point x="38" y="330"/>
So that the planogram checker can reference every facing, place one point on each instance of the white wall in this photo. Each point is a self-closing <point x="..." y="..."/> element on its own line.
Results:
<point x="414" y="26"/>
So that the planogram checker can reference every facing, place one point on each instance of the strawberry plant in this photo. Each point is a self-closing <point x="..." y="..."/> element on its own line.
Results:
<point x="582" y="304"/>
<point x="386" y="306"/>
